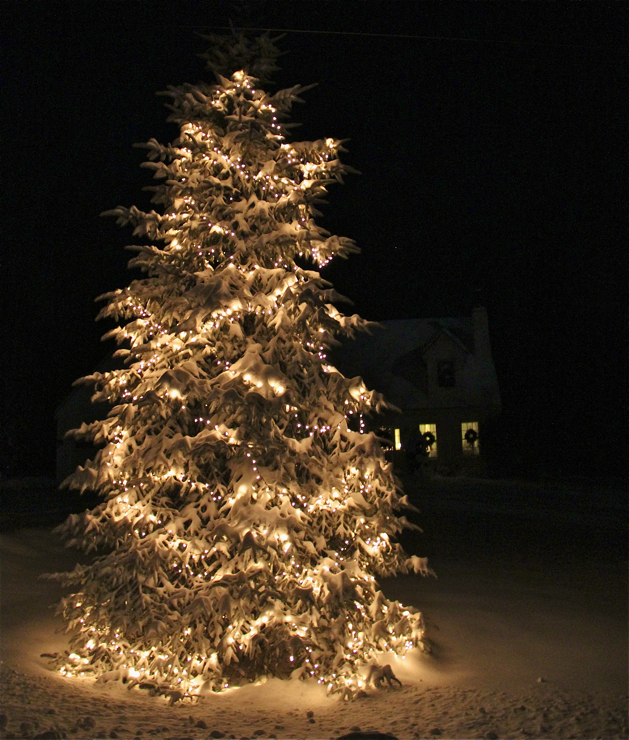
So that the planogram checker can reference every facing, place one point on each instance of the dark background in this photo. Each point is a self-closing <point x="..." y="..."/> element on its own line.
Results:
<point x="493" y="160"/>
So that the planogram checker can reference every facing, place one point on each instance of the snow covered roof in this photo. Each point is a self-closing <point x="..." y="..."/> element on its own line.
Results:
<point x="78" y="402"/>
<point x="393" y="359"/>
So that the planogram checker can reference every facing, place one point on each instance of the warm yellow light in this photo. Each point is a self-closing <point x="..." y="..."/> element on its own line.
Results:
<point x="398" y="441"/>
<point x="432" y="430"/>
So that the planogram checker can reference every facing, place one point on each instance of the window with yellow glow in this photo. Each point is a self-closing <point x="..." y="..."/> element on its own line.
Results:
<point x="429" y="432"/>
<point x="469" y="438"/>
<point x="398" y="441"/>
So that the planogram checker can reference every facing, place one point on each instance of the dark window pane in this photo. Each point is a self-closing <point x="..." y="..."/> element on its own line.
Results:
<point x="445" y="374"/>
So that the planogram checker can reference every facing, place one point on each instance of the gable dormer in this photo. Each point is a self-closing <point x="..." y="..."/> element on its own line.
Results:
<point x="445" y="357"/>
<point x="427" y="363"/>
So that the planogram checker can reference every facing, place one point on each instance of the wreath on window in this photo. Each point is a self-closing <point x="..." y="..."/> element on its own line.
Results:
<point x="429" y="439"/>
<point x="471" y="436"/>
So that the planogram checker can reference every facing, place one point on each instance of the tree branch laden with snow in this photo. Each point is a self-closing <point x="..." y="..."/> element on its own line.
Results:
<point x="246" y="512"/>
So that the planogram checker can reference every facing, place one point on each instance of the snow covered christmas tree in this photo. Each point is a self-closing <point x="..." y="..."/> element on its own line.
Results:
<point x="246" y="512"/>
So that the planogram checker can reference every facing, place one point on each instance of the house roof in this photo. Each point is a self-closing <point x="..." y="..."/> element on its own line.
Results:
<point x="383" y="358"/>
<point x="80" y="395"/>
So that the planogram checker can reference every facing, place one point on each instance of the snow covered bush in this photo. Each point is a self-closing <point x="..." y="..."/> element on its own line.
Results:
<point x="245" y="516"/>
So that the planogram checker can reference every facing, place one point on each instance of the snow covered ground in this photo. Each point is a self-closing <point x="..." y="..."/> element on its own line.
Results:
<point x="529" y="616"/>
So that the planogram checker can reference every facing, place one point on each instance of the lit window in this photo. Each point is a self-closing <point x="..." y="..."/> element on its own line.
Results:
<point x="469" y="438"/>
<point x="429" y="437"/>
<point x="398" y="442"/>
<point x="445" y="374"/>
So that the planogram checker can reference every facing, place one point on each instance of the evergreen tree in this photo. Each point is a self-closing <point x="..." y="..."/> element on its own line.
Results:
<point x="246" y="511"/>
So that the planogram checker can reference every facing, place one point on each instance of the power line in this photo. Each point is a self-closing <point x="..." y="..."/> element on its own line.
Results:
<point x="393" y="36"/>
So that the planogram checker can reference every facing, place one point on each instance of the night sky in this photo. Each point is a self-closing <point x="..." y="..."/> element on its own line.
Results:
<point x="493" y="159"/>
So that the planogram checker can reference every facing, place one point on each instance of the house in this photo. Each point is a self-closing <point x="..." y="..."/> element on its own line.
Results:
<point x="76" y="408"/>
<point x="440" y="374"/>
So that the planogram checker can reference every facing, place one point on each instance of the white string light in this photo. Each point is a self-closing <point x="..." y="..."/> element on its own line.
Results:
<point x="244" y="515"/>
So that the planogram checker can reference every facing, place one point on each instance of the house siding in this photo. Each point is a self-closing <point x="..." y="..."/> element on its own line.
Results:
<point x="401" y="359"/>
